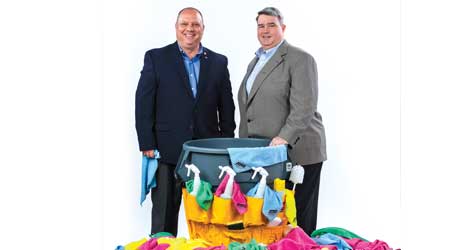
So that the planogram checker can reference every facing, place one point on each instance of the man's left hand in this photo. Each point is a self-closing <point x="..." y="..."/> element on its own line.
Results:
<point x="278" y="141"/>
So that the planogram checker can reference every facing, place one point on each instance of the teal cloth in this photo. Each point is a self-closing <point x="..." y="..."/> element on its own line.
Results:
<point x="161" y="234"/>
<point x="273" y="201"/>
<point x="148" y="180"/>
<point x="252" y="245"/>
<point x="337" y="231"/>
<point x="204" y="195"/>
<point x="243" y="159"/>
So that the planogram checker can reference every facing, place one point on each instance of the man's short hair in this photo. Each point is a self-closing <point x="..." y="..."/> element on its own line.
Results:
<point x="271" y="11"/>
<point x="189" y="8"/>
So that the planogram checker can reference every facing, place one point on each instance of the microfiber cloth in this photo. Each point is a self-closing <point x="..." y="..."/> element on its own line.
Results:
<point x="331" y="239"/>
<point x="291" y="210"/>
<point x="204" y="195"/>
<point x="337" y="231"/>
<point x="238" y="198"/>
<point x="221" y="188"/>
<point x="243" y="159"/>
<point x="148" y="180"/>
<point x="252" y="245"/>
<point x="252" y="191"/>
<point x="273" y="203"/>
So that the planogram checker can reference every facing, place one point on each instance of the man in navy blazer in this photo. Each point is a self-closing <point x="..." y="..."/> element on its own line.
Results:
<point x="184" y="93"/>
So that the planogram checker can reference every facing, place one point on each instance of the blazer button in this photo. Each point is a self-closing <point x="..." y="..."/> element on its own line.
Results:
<point x="249" y="120"/>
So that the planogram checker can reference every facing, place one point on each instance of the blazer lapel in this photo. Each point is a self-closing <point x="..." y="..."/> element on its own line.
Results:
<point x="250" y="67"/>
<point x="205" y="63"/>
<point x="181" y="70"/>
<point x="276" y="59"/>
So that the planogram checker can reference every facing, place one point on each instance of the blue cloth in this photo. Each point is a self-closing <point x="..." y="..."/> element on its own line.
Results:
<point x="331" y="239"/>
<point x="243" y="159"/>
<point x="263" y="57"/>
<point x="192" y="68"/>
<point x="273" y="201"/>
<point x="148" y="180"/>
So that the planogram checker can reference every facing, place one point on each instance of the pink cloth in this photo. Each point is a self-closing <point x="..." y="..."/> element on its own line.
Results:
<point x="221" y="188"/>
<point x="297" y="239"/>
<point x="358" y="244"/>
<point x="238" y="198"/>
<point x="152" y="244"/>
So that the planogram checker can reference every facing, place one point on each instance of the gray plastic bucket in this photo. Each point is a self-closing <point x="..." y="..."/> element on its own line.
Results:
<point x="208" y="154"/>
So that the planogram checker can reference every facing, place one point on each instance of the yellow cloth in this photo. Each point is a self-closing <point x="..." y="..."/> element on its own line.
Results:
<point x="291" y="210"/>
<point x="135" y="244"/>
<point x="278" y="185"/>
<point x="183" y="244"/>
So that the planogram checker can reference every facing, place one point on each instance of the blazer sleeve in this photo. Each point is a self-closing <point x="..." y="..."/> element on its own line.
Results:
<point x="302" y="99"/>
<point x="145" y="105"/>
<point x="226" y="106"/>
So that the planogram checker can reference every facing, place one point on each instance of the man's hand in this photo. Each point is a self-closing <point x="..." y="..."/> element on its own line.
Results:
<point x="278" y="141"/>
<point x="149" y="153"/>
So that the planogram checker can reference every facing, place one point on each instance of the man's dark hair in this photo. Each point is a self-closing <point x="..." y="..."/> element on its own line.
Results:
<point x="271" y="11"/>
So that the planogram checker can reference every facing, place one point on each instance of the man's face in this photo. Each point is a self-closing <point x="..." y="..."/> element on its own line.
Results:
<point x="189" y="29"/>
<point x="270" y="31"/>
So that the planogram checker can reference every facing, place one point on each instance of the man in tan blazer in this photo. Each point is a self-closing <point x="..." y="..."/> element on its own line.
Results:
<point x="278" y="100"/>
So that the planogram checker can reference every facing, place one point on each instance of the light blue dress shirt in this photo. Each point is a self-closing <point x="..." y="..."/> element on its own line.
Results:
<point x="192" y="68"/>
<point x="263" y="57"/>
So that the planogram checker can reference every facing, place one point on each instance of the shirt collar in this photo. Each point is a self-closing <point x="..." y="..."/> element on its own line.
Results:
<point x="200" y="50"/>
<point x="270" y="51"/>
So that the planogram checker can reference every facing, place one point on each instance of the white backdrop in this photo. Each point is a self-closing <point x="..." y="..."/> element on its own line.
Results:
<point x="69" y="164"/>
<point x="358" y="59"/>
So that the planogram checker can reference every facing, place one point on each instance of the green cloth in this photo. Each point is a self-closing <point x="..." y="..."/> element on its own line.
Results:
<point x="161" y="234"/>
<point x="204" y="195"/>
<point x="252" y="245"/>
<point x="337" y="231"/>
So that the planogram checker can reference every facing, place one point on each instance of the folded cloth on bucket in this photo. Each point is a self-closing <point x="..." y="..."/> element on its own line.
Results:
<point x="204" y="195"/>
<point x="243" y="159"/>
<point x="148" y="180"/>
<point x="238" y="198"/>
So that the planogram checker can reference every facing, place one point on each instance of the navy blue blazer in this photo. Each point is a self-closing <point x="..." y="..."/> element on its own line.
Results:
<point x="167" y="114"/>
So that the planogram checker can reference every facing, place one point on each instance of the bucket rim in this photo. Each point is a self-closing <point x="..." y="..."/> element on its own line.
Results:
<point x="192" y="148"/>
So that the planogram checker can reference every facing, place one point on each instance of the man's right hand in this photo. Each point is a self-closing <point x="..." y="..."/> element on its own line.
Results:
<point x="149" y="153"/>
